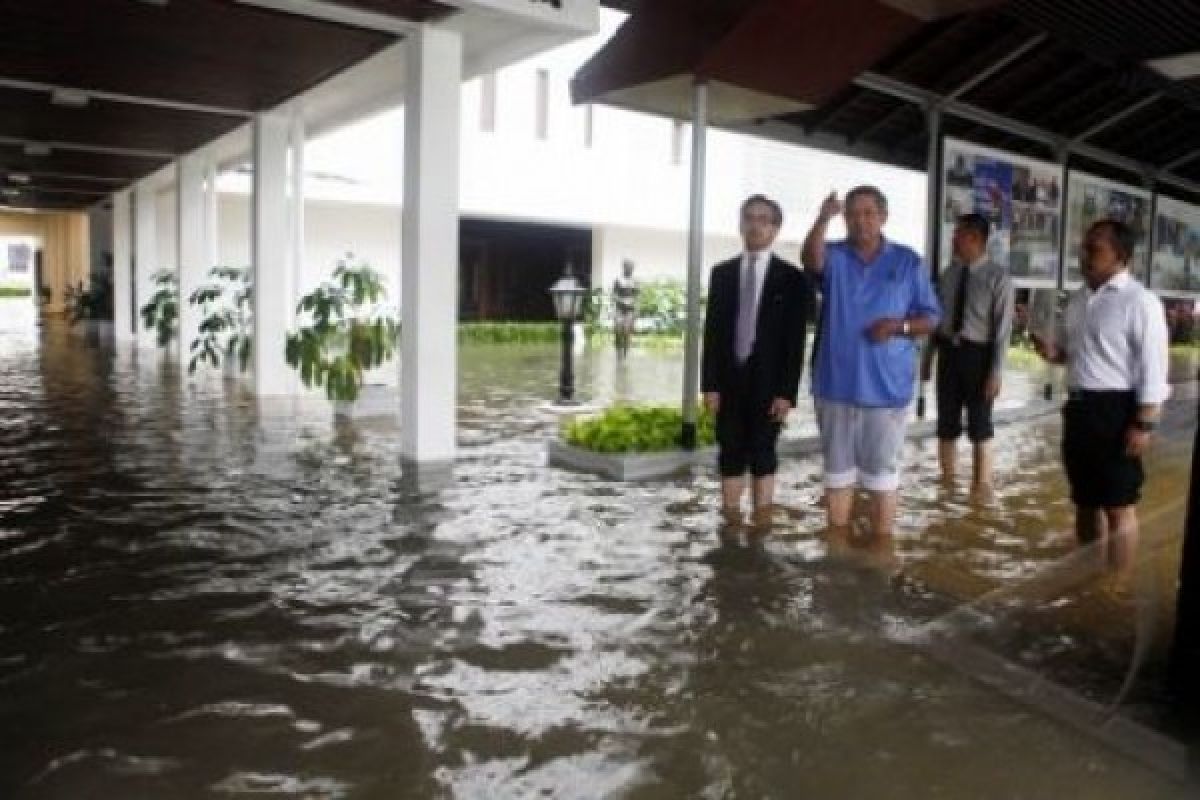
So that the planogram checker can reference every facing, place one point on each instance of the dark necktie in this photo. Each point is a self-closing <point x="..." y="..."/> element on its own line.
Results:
<point x="960" y="301"/>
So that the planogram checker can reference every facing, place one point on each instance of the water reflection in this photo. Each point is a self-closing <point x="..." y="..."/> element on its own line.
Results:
<point x="202" y="594"/>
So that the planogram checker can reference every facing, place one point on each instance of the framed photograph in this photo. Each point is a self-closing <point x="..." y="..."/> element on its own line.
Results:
<point x="1175" y="259"/>
<point x="1020" y="196"/>
<point x="1090" y="198"/>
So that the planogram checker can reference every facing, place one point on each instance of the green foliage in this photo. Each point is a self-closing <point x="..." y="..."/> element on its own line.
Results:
<point x="510" y="332"/>
<point x="636" y="429"/>
<point x="662" y="306"/>
<point x="162" y="312"/>
<point x="1023" y="356"/>
<point x="345" y="332"/>
<point x="15" y="291"/>
<point x="225" y="330"/>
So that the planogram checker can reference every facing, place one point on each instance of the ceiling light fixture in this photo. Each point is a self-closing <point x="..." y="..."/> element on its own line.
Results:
<point x="69" y="98"/>
<point x="1178" y="67"/>
<point x="18" y="177"/>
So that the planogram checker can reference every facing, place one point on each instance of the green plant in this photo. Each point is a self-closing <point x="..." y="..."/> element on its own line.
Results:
<point x="636" y="429"/>
<point x="225" y="333"/>
<point x="345" y="331"/>
<point x="510" y="332"/>
<point x="162" y="312"/>
<point x="15" y="291"/>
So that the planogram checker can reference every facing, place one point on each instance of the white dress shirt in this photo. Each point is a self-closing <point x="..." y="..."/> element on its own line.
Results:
<point x="759" y="260"/>
<point x="1116" y="338"/>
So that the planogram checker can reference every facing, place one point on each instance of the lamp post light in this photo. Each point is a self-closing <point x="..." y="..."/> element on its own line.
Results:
<point x="567" y="294"/>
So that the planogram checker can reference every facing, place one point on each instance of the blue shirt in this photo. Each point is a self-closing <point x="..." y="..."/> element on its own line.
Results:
<point x="851" y="368"/>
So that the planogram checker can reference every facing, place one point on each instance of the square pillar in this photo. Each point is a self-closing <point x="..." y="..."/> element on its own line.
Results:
<point x="191" y="248"/>
<point x="145" y="256"/>
<point x="122" y="275"/>
<point x="429" y="263"/>
<point x="273" y="292"/>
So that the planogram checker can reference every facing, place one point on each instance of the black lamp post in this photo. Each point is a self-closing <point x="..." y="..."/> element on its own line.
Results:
<point x="567" y="294"/>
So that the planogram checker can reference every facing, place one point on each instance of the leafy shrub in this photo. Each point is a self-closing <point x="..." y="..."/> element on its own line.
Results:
<point x="510" y="332"/>
<point x="636" y="429"/>
<point x="162" y="312"/>
<point x="346" y="330"/>
<point x="15" y="291"/>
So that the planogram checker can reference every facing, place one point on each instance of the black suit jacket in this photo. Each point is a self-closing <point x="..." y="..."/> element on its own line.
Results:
<point x="782" y="330"/>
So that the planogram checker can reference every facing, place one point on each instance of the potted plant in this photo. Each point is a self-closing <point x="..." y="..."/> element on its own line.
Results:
<point x="345" y="330"/>
<point x="162" y="312"/>
<point x="225" y="332"/>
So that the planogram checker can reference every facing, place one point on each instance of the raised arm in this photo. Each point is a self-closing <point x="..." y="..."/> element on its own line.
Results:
<point x="812" y="254"/>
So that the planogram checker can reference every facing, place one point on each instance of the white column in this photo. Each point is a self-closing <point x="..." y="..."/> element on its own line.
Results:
<point x="191" y="248"/>
<point x="296" y="135"/>
<point x="212" y="251"/>
<point x="695" y="273"/>
<point x="145" y="255"/>
<point x="429" y="271"/>
<point x="122" y="277"/>
<point x="273" y="304"/>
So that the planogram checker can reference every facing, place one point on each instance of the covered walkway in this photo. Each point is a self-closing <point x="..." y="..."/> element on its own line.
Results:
<point x="120" y="101"/>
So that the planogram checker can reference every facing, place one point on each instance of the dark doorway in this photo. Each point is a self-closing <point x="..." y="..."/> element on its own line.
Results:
<point x="505" y="268"/>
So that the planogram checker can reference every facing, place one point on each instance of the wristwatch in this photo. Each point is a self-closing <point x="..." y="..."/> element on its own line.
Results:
<point x="1145" y="425"/>
<point x="906" y="328"/>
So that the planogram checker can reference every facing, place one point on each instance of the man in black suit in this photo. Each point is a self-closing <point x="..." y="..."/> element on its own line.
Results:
<point x="754" y="337"/>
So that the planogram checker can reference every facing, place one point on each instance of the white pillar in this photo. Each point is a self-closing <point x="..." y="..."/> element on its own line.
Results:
<point x="122" y="277"/>
<point x="273" y="304"/>
<point x="212" y="253"/>
<point x="429" y="271"/>
<point x="296" y="136"/>
<point x="695" y="273"/>
<point x="191" y="248"/>
<point x="145" y="255"/>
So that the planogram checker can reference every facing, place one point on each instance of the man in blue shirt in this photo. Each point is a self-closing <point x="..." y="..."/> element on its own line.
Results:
<point x="877" y="297"/>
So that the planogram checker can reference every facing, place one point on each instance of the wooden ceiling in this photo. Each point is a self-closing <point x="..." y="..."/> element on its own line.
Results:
<point x="160" y="79"/>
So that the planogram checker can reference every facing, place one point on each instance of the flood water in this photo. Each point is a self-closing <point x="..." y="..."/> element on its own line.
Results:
<point x="202" y="597"/>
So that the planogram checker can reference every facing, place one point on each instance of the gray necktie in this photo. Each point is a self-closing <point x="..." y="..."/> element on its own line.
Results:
<point x="747" y="312"/>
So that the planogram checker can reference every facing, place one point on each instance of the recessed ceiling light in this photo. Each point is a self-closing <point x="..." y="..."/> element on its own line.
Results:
<point x="35" y="149"/>
<point x="1177" y="68"/>
<point x="18" y="177"/>
<point x="69" y="98"/>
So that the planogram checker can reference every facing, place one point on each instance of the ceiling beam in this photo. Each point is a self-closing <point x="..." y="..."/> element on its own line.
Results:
<point x="339" y="14"/>
<point x="89" y="148"/>
<point x="60" y="175"/>
<point x="1186" y="158"/>
<point x="1113" y="119"/>
<point x="127" y="99"/>
<point x="986" y="73"/>
<point x="928" y="99"/>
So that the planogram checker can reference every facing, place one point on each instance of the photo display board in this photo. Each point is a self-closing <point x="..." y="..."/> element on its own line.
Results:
<point x="1175" y="270"/>
<point x="1022" y="197"/>
<point x="1090" y="198"/>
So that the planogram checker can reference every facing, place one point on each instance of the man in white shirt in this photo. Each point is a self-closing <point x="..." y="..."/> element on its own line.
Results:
<point x="1113" y="341"/>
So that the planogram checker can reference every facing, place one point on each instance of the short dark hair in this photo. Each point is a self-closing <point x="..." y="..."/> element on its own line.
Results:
<point x="762" y="199"/>
<point x="975" y="223"/>
<point x="1119" y="233"/>
<point x="867" y="191"/>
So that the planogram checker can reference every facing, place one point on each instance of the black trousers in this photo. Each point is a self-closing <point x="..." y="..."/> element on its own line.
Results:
<point x="962" y="372"/>
<point x="1094" y="427"/>
<point x="746" y="434"/>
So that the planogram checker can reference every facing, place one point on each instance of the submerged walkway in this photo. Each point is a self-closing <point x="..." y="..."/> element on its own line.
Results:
<point x="200" y="597"/>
